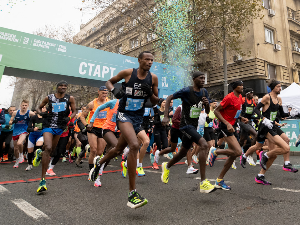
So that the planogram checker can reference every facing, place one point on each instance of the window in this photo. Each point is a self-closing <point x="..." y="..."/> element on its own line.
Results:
<point x="200" y="46"/>
<point x="205" y="82"/>
<point x="119" y="49"/>
<point x="271" y="71"/>
<point x="293" y="14"/>
<point x="296" y="44"/>
<point x="121" y="29"/>
<point x="134" y="42"/>
<point x="151" y="36"/>
<point x="269" y="36"/>
<point x="266" y="4"/>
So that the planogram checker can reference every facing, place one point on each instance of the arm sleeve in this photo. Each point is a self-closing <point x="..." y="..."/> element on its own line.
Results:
<point x="2" y="117"/>
<point x="109" y="104"/>
<point x="282" y="113"/>
<point x="30" y="127"/>
<point x="257" y="110"/>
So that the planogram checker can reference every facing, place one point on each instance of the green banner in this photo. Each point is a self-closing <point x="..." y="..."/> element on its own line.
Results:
<point x="291" y="129"/>
<point x="1" y="70"/>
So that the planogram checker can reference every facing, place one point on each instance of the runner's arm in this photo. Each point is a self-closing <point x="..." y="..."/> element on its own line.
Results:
<point x="154" y="98"/>
<point x="85" y="112"/>
<point x="12" y="118"/>
<point x="30" y="127"/>
<point x="265" y="101"/>
<point x="166" y="120"/>
<point x="109" y="104"/>
<point x="73" y="107"/>
<point x="282" y="113"/>
<point x="44" y="102"/>
<point x="31" y="114"/>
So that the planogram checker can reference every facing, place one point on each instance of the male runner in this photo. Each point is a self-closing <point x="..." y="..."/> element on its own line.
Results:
<point x="55" y="122"/>
<point x="209" y="133"/>
<point x="21" y="119"/>
<point x="6" y="134"/>
<point x="193" y="99"/>
<point x="271" y="105"/>
<point x="139" y="85"/>
<point x="227" y="112"/>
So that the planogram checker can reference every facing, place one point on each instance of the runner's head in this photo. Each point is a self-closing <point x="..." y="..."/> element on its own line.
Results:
<point x="255" y="98"/>
<point x="24" y="105"/>
<point x="11" y="109"/>
<point x="237" y="85"/>
<point x="171" y="103"/>
<point x="102" y="93"/>
<point x="275" y="86"/>
<point x="62" y="86"/>
<point x="213" y="103"/>
<point x="249" y="93"/>
<point x="83" y="108"/>
<point x="198" y="78"/>
<point x="145" y="60"/>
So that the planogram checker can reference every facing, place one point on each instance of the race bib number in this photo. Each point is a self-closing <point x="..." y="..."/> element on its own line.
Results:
<point x="273" y="116"/>
<point x="195" y="112"/>
<point x="211" y="124"/>
<point x="59" y="107"/>
<point x="114" y="118"/>
<point x="147" y="112"/>
<point x="134" y="104"/>
<point x="102" y="115"/>
<point x="38" y="125"/>
<point x="238" y="113"/>
<point x="249" y="110"/>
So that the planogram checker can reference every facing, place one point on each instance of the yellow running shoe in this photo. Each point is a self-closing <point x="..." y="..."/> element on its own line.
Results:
<point x="165" y="173"/>
<point x="206" y="187"/>
<point x="42" y="186"/>
<point x="37" y="158"/>
<point x="124" y="169"/>
<point x="140" y="171"/>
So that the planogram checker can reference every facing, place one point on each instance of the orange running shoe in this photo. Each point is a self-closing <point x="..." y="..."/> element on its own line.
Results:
<point x="5" y="157"/>
<point x="155" y="166"/>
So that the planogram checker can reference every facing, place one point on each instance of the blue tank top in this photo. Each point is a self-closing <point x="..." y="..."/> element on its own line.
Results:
<point x="133" y="102"/>
<point x="22" y="124"/>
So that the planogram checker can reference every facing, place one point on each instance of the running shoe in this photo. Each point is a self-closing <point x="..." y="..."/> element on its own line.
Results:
<point x="298" y="141"/>
<point x="192" y="170"/>
<point x="16" y="164"/>
<point x="206" y="187"/>
<point x="50" y="172"/>
<point x="38" y="157"/>
<point x="116" y="159"/>
<point x="262" y="180"/>
<point x="135" y="200"/>
<point x="5" y="157"/>
<point x="155" y="166"/>
<point x="251" y="161"/>
<point x="233" y="166"/>
<point x="263" y="160"/>
<point x="95" y="171"/>
<point x="70" y="158"/>
<point x="165" y="173"/>
<point x="140" y="172"/>
<point x="101" y="169"/>
<point x="289" y="168"/>
<point x="212" y="156"/>
<point x="64" y="159"/>
<point x="195" y="159"/>
<point x="124" y="169"/>
<point x="78" y="162"/>
<point x="243" y="161"/>
<point x="97" y="183"/>
<point x="222" y="185"/>
<point x="152" y="158"/>
<point x="42" y="187"/>
<point x="21" y="159"/>
<point x="29" y="167"/>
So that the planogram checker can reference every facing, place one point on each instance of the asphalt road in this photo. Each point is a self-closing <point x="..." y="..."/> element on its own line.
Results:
<point x="72" y="199"/>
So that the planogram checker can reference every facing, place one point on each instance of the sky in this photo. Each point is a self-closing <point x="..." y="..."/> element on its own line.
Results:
<point x="30" y="15"/>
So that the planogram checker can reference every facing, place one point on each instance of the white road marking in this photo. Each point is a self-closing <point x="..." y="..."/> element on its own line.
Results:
<point x="29" y="209"/>
<point x="3" y="189"/>
<point x="213" y="180"/>
<point x="152" y="171"/>
<point x="285" y="189"/>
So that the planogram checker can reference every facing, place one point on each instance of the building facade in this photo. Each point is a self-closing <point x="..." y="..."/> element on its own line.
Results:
<point x="273" y="43"/>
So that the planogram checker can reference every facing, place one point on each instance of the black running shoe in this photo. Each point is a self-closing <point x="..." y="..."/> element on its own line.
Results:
<point x="262" y="180"/>
<point x="263" y="161"/>
<point x="289" y="168"/>
<point x="243" y="161"/>
<point x="94" y="172"/>
<point x="135" y="200"/>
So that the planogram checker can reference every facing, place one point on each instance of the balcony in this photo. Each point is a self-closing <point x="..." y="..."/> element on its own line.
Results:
<point x="294" y="27"/>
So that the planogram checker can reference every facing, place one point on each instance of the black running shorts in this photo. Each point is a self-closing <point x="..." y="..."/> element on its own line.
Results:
<point x="264" y="130"/>
<point x="209" y="134"/>
<point x="223" y="131"/>
<point x="105" y="131"/>
<point x="189" y="136"/>
<point x="175" y="134"/>
<point x="97" y="131"/>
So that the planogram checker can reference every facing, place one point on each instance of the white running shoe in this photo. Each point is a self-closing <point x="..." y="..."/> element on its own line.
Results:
<point x="29" y="167"/>
<point x="192" y="170"/>
<point x="257" y="162"/>
<point x="156" y="157"/>
<point x="97" y="183"/>
<point x="250" y="161"/>
<point x="233" y="166"/>
<point x="16" y="164"/>
<point x="195" y="159"/>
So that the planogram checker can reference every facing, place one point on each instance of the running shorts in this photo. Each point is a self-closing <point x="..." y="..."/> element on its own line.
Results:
<point x="175" y="134"/>
<point x="15" y="138"/>
<point x="223" y="131"/>
<point x="97" y="131"/>
<point x="189" y="135"/>
<point x="264" y="130"/>
<point x="33" y="138"/>
<point x="136" y="121"/>
<point x="209" y="134"/>
<point x="53" y="131"/>
<point x="105" y="131"/>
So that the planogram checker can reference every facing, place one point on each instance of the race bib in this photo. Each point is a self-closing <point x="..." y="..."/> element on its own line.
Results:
<point x="134" y="104"/>
<point x="102" y="115"/>
<point x="273" y="116"/>
<point x="195" y="112"/>
<point x="211" y="124"/>
<point x="161" y="117"/>
<point x="249" y="110"/>
<point x="147" y="112"/>
<point x="238" y="113"/>
<point x="39" y="125"/>
<point x="59" y="107"/>
<point x="114" y="118"/>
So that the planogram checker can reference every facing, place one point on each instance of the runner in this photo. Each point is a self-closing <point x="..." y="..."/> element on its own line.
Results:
<point x="6" y="134"/>
<point x="271" y="105"/>
<point x="209" y="133"/>
<point x="193" y="99"/>
<point x="35" y="139"/>
<point x="55" y="122"/>
<point x="227" y="112"/>
<point x="21" y="119"/>
<point x="139" y="85"/>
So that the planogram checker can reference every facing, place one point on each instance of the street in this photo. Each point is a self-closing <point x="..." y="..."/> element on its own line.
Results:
<point x="72" y="199"/>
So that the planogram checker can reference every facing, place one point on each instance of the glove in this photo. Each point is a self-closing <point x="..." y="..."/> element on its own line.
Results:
<point x="147" y="89"/>
<point x="71" y="124"/>
<point x="268" y="123"/>
<point x="118" y="93"/>
<point x="7" y="127"/>
<point x="15" y="120"/>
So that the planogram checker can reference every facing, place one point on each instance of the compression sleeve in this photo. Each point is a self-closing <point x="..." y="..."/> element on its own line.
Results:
<point x="257" y="110"/>
<point x="282" y="113"/>
<point x="30" y="127"/>
<point x="110" y="104"/>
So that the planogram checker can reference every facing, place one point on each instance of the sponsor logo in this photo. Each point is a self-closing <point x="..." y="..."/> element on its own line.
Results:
<point x="138" y="93"/>
<point x="128" y="90"/>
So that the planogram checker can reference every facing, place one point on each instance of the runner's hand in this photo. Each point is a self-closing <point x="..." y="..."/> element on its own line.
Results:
<point x="89" y="126"/>
<point x="118" y="93"/>
<point x="230" y="128"/>
<point x="244" y="120"/>
<point x="205" y="101"/>
<point x="165" y="121"/>
<point x="15" y="121"/>
<point x="35" y="129"/>
<point x="268" y="123"/>
<point x="146" y="88"/>
<point x="7" y="126"/>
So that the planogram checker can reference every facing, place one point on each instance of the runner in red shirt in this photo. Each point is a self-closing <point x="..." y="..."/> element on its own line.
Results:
<point x="227" y="112"/>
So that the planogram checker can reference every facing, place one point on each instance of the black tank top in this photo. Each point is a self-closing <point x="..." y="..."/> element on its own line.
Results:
<point x="58" y="109"/>
<point x="191" y="109"/>
<point x="272" y="111"/>
<point x="133" y="102"/>
<point x="248" y="109"/>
